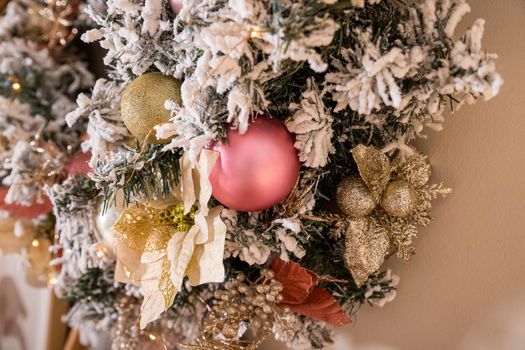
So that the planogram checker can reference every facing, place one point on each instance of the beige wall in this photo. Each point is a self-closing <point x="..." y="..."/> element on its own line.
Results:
<point x="22" y="306"/>
<point x="466" y="288"/>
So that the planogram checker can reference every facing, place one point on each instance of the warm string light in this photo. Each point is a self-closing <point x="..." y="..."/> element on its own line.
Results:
<point x="256" y="33"/>
<point x="16" y="87"/>
<point x="52" y="281"/>
<point x="153" y="338"/>
<point x="101" y="251"/>
<point x="16" y="84"/>
<point x="35" y="243"/>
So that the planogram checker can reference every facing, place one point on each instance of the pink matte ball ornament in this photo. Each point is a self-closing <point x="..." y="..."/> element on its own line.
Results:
<point x="257" y="170"/>
<point x="176" y="5"/>
<point x="22" y="211"/>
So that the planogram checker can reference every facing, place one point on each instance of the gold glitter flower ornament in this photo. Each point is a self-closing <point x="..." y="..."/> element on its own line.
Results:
<point x="384" y="206"/>
<point x="162" y="242"/>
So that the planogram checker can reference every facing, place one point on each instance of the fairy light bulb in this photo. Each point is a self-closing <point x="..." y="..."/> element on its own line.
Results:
<point x="35" y="243"/>
<point x="16" y="87"/>
<point x="101" y="251"/>
<point x="256" y="33"/>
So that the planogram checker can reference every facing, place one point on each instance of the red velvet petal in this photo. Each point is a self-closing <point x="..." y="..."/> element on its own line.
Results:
<point x="297" y="281"/>
<point x="321" y="305"/>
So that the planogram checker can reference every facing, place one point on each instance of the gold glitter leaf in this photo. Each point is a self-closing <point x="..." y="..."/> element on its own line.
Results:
<point x="366" y="245"/>
<point x="374" y="168"/>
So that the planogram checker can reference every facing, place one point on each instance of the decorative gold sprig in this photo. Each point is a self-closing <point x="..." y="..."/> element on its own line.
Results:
<point x="126" y="333"/>
<point x="240" y="307"/>
<point x="384" y="207"/>
<point x="60" y="14"/>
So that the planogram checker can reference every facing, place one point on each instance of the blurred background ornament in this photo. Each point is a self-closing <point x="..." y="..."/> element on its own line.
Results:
<point x="176" y="5"/>
<point x="15" y="234"/>
<point x="258" y="169"/>
<point x="38" y="258"/>
<point x="79" y="165"/>
<point x="51" y="24"/>
<point x="142" y="104"/>
<point x="37" y="208"/>
<point x="61" y="15"/>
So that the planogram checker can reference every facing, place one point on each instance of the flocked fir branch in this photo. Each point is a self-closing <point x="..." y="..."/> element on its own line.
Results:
<point x="139" y="173"/>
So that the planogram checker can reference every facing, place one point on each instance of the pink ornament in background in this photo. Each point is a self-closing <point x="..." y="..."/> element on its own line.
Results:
<point x="257" y="170"/>
<point x="176" y="5"/>
<point x="22" y="211"/>
<point x="79" y="164"/>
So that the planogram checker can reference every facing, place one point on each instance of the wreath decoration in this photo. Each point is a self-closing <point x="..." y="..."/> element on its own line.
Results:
<point x="252" y="165"/>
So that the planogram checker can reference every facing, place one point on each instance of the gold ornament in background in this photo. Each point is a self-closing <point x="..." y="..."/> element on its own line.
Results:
<point x="39" y="271"/>
<point x="401" y="202"/>
<point x="242" y="304"/>
<point x="400" y="199"/>
<point x="52" y="159"/>
<point x="52" y="24"/>
<point x="61" y="15"/>
<point x="142" y="104"/>
<point x="354" y="198"/>
<point x="11" y="242"/>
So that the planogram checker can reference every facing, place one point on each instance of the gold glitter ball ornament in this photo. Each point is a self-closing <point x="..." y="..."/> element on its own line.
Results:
<point x="354" y="197"/>
<point x="142" y="104"/>
<point x="399" y="199"/>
